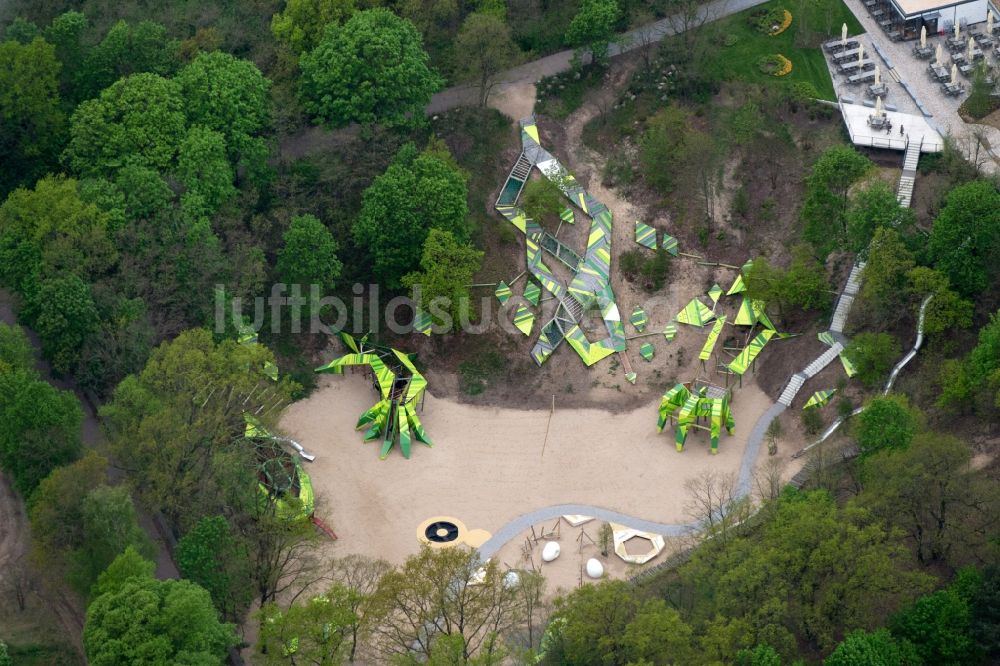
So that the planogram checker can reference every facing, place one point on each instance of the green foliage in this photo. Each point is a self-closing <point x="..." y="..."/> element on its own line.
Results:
<point x="110" y="525"/>
<point x="5" y="659"/>
<point x="946" y="310"/>
<point x="124" y="51"/>
<point x="812" y="421"/>
<point x="63" y="314"/>
<point x="649" y="270"/>
<point x="181" y="450"/>
<point x="309" y="255"/>
<point x="965" y="238"/>
<point x="938" y="626"/>
<point x="593" y="27"/>
<point x="448" y="268"/>
<point x="875" y="648"/>
<point x="884" y="278"/>
<point x="662" y="147"/>
<point x="314" y="632"/>
<point x="984" y="604"/>
<point x="203" y="169"/>
<point x="872" y="208"/>
<point x="592" y="625"/>
<point x="300" y="25"/>
<point x="157" y="622"/>
<point x="417" y="193"/>
<point x="761" y="655"/>
<point x="371" y="69"/>
<point x="485" y="49"/>
<point x="975" y="381"/>
<point x="229" y="96"/>
<point x="542" y="199"/>
<point x="55" y="509"/>
<point x="39" y="427"/>
<point x="212" y="556"/>
<point x="980" y="102"/>
<point x="873" y="355"/>
<point x="137" y="120"/>
<point x="48" y="232"/>
<point x="32" y="123"/>
<point x="15" y="349"/>
<point x="810" y="570"/>
<point x="802" y="285"/>
<point x="144" y="192"/>
<point x="764" y="20"/>
<point x="824" y="211"/>
<point x="410" y="601"/>
<point x="127" y="566"/>
<point x="887" y="423"/>
<point x="928" y="492"/>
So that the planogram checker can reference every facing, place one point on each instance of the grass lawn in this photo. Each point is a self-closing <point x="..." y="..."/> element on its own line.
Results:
<point x="747" y="44"/>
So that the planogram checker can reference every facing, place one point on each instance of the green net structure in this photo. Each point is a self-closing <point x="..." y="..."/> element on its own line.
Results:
<point x="393" y="419"/>
<point x="280" y="476"/>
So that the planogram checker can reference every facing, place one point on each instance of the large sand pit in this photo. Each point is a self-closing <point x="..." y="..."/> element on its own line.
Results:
<point x="491" y="465"/>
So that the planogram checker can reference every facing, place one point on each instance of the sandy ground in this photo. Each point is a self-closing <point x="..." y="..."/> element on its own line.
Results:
<point x="490" y="465"/>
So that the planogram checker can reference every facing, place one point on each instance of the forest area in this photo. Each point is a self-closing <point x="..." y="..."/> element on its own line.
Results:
<point x="164" y="163"/>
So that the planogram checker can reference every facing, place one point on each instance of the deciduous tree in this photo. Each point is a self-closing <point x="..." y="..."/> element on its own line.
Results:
<point x="887" y="423"/>
<point x="871" y="208"/>
<point x="309" y="255"/>
<point x="825" y="207"/>
<point x="155" y="622"/>
<point x="873" y="355"/>
<point x="313" y="632"/>
<point x="484" y="49"/>
<point x="211" y="555"/>
<point x="32" y="124"/>
<point x="137" y="120"/>
<point x="929" y="491"/>
<point x="373" y="69"/>
<point x="417" y="193"/>
<point x="965" y="238"/>
<point x="448" y="267"/>
<point x="300" y="25"/>
<point x="593" y="27"/>
<point x="864" y="648"/>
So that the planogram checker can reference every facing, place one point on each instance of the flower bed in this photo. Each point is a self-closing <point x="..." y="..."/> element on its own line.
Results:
<point x="785" y="22"/>
<point x="772" y="21"/>
<point x="775" y="64"/>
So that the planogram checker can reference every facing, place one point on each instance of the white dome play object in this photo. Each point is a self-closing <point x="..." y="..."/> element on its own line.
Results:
<point x="550" y="551"/>
<point x="511" y="579"/>
<point x="594" y="568"/>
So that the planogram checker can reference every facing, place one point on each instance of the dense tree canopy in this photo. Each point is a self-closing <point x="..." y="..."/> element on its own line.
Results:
<point x="39" y="427"/>
<point x="802" y="285"/>
<point x="137" y="120"/>
<point x="371" y="69"/>
<point x="593" y="27"/>
<point x="886" y="423"/>
<point x="419" y="191"/>
<point x="32" y="122"/>
<point x="486" y="49"/>
<point x="172" y="442"/>
<point x="965" y="239"/>
<point x="447" y="270"/>
<point x="211" y="556"/>
<point x="301" y="23"/>
<point x="824" y="211"/>
<point x="309" y="255"/>
<point x="156" y="622"/>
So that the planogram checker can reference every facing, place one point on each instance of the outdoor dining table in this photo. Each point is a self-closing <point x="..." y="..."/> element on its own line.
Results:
<point x="939" y="72"/>
<point x="923" y="53"/>
<point x="983" y="39"/>
<point x="880" y="90"/>
<point x="845" y="55"/>
<point x="966" y="69"/>
<point x="894" y="35"/>
<point x="952" y="90"/>
<point x="878" y="122"/>
<point x="852" y="65"/>
<point x="861" y="77"/>
<point x="957" y="44"/>
<point x="884" y="24"/>
<point x="837" y="45"/>
<point x="877" y="12"/>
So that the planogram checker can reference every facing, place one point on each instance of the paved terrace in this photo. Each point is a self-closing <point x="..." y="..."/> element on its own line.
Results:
<point x="941" y="112"/>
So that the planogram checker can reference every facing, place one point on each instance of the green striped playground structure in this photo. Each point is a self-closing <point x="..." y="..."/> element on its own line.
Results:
<point x="695" y="313"/>
<point x="503" y="292"/>
<point x="819" y="398"/>
<point x="532" y="292"/>
<point x="645" y="235"/>
<point x="524" y="319"/>
<point x="669" y="332"/>
<point x="646" y="350"/>
<point x="670" y="245"/>
<point x="639" y="319"/>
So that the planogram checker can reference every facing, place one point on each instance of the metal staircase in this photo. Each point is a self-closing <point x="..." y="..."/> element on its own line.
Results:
<point x="522" y="168"/>
<point x="904" y="193"/>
